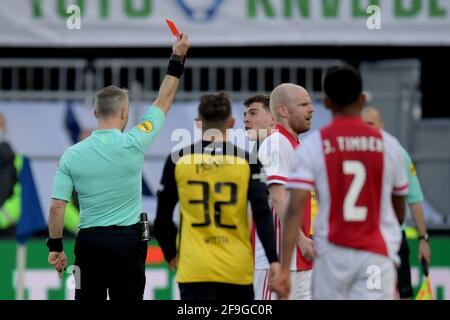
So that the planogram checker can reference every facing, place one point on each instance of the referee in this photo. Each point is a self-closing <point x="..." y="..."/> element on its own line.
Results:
<point x="213" y="181"/>
<point x="105" y="170"/>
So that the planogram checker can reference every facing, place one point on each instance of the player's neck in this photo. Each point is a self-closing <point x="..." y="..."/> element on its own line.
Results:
<point x="288" y="128"/>
<point x="215" y="136"/>
<point x="349" y="111"/>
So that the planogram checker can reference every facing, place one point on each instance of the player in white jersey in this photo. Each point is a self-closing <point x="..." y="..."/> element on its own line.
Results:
<point x="359" y="175"/>
<point x="292" y="107"/>
<point x="259" y="123"/>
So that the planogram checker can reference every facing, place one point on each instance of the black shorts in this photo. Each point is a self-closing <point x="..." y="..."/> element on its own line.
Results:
<point x="110" y="260"/>
<point x="404" y="272"/>
<point x="216" y="291"/>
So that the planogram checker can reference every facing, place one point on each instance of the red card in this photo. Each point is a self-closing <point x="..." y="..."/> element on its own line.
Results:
<point x="173" y="28"/>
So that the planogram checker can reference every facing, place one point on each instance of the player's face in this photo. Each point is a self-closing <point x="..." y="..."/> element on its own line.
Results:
<point x="258" y="121"/>
<point x="300" y="111"/>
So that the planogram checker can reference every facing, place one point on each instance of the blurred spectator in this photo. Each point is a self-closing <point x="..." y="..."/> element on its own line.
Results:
<point x="10" y="166"/>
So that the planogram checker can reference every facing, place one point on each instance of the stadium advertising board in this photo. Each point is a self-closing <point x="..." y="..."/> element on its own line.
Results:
<point x="138" y="23"/>
<point x="42" y="282"/>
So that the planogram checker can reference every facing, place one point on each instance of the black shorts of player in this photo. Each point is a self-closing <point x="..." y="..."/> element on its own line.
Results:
<point x="404" y="272"/>
<point x="216" y="291"/>
<point x="110" y="260"/>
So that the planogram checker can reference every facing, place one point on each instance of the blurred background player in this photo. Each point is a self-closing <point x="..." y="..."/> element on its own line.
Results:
<point x="360" y="179"/>
<point x="213" y="181"/>
<point x="372" y="116"/>
<point x="10" y="167"/>
<point x="259" y="123"/>
<point x="292" y="107"/>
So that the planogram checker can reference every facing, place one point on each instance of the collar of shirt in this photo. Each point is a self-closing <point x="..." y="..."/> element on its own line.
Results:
<point x="292" y="139"/>
<point x="106" y="131"/>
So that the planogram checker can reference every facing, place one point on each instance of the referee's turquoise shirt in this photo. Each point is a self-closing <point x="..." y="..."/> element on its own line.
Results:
<point x="106" y="171"/>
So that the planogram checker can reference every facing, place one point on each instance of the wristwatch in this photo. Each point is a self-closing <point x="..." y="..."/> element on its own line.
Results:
<point x="425" y="237"/>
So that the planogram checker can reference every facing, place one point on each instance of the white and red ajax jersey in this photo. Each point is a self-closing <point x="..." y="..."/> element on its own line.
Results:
<point x="354" y="169"/>
<point x="276" y="154"/>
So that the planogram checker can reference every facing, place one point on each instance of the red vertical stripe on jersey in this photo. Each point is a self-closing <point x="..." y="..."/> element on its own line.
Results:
<point x="366" y="234"/>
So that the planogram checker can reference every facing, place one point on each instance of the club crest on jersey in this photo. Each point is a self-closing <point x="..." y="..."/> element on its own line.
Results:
<point x="145" y="126"/>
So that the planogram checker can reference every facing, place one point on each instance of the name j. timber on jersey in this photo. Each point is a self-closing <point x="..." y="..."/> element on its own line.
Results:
<point x="354" y="144"/>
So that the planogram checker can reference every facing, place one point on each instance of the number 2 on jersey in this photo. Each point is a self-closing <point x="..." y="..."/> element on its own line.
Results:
<point x="353" y="213"/>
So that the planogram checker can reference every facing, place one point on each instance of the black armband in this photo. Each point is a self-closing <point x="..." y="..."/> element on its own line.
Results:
<point x="54" y="245"/>
<point x="176" y="66"/>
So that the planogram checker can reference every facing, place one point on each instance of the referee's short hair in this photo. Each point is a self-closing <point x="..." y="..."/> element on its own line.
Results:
<point x="109" y="101"/>
<point x="343" y="85"/>
<point x="214" y="109"/>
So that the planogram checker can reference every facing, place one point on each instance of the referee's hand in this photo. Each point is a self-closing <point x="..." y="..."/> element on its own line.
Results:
<point x="59" y="261"/>
<point x="181" y="45"/>
<point x="173" y="264"/>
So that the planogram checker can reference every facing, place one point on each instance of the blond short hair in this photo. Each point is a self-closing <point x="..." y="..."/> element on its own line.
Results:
<point x="110" y="100"/>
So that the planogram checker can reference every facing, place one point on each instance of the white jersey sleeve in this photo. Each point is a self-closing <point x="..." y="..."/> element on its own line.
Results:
<point x="304" y="168"/>
<point x="275" y="155"/>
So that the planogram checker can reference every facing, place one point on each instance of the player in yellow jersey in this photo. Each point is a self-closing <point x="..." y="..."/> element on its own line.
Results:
<point x="212" y="181"/>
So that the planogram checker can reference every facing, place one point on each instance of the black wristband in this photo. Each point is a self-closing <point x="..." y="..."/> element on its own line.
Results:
<point x="54" y="245"/>
<point x="175" y="68"/>
<point x="178" y="57"/>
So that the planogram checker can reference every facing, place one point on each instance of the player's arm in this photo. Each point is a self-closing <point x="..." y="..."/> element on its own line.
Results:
<point x="164" y="227"/>
<point x="292" y="219"/>
<point x="171" y="80"/>
<point x="276" y="171"/>
<point x="299" y="184"/>
<point x="278" y="196"/>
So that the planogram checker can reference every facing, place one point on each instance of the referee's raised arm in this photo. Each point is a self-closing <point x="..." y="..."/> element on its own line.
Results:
<point x="143" y="135"/>
<point x="175" y="70"/>
<point x="106" y="171"/>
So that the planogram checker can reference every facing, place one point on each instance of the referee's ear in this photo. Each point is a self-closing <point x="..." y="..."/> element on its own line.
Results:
<point x="95" y="113"/>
